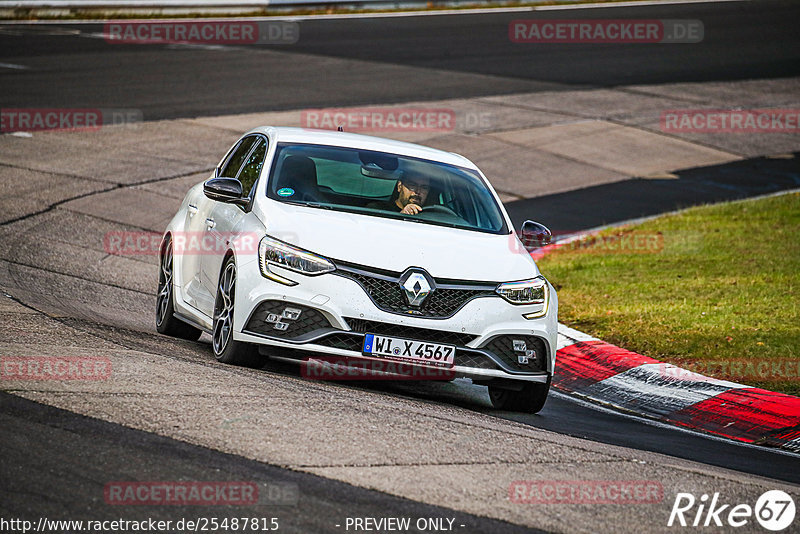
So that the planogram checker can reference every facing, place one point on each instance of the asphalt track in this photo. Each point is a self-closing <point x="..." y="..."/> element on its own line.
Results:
<point x="346" y="62"/>
<point x="76" y="457"/>
<point x="407" y="59"/>
<point x="600" y="205"/>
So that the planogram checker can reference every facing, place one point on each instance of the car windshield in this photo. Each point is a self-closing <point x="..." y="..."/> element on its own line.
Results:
<point x="383" y="185"/>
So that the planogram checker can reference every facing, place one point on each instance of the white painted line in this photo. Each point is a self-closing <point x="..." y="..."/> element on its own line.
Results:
<point x="645" y="389"/>
<point x="395" y="14"/>
<point x="669" y="371"/>
<point x="13" y="66"/>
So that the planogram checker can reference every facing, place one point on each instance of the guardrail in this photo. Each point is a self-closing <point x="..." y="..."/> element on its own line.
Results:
<point x="71" y="4"/>
<point x="198" y="4"/>
<point x="23" y="7"/>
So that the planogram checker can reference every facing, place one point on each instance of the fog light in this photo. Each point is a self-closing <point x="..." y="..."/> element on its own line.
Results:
<point x="291" y="314"/>
<point x="526" y="359"/>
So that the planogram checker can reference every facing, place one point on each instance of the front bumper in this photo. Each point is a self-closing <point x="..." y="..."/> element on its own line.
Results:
<point x="336" y="313"/>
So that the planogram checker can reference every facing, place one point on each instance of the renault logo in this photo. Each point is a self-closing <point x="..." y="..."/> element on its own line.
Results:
<point x="417" y="285"/>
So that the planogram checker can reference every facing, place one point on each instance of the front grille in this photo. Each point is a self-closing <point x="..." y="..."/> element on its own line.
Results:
<point x="311" y="325"/>
<point x="409" y="332"/>
<point x="474" y="359"/>
<point x="342" y="341"/>
<point x="503" y="348"/>
<point x="385" y="291"/>
<point x="308" y="323"/>
<point x="355" y="342"/>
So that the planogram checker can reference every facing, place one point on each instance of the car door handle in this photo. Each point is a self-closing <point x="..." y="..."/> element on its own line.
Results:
<point x="210" y="223"/>
<point x="192" y="210"/>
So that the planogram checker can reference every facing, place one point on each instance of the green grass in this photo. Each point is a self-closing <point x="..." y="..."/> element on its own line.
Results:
<point x="723" y="289"/>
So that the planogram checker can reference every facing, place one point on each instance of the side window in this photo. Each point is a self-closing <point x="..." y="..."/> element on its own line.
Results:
<point x="252" y="168"/>
<point x="234" y="163"/>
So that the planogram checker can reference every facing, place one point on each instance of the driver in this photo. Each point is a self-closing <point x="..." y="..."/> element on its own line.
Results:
<point x="409" y="197"/>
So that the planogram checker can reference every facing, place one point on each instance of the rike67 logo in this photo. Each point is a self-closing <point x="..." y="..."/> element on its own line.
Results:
<point x="774" y="510"/>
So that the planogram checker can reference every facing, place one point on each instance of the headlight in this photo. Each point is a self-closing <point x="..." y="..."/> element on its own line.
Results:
<point x="528" y="292"/>
<point x="272" y="251"/>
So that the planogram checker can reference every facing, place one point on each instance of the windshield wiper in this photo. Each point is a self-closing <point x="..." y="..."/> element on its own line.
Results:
<point x="318" y="205"/>
<point x="311" y="204"/>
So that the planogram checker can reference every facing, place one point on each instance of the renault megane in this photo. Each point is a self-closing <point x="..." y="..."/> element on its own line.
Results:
<point x="308" y="243"/>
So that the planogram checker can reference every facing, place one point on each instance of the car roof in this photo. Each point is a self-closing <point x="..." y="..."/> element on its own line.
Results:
<point x="366" y="142"/>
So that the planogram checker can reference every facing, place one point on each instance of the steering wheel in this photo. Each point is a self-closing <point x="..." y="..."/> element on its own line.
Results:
<point x="440" y="208"/>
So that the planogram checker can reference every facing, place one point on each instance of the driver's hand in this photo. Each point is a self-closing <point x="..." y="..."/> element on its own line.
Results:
<point x="411" y="209"/>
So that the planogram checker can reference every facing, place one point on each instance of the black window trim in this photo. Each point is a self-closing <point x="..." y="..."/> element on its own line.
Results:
<point x="250" y="153"/>
<point x="233" y="151"/>
<point x="251" y="194"/>
<point x="227" y="157"/>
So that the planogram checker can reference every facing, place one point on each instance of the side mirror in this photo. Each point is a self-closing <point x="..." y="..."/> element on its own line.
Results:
<point x="225" y="190"/>
<point x="534" y="235"/>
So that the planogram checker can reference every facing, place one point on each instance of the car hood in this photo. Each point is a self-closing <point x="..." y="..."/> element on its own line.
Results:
<point x="396" y="245"/>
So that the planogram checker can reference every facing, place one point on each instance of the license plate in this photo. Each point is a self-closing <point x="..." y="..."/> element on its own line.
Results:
<point x="393" y="348"/>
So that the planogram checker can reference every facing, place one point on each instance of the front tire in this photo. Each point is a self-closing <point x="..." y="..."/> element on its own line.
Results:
<point x="530" y="399"/>
<point x="166" y="322"/>
<point x="226" y="349"/>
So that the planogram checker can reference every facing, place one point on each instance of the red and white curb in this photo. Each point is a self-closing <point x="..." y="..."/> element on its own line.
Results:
<point x="609" y="375"/>
<point x="605" y="374"/>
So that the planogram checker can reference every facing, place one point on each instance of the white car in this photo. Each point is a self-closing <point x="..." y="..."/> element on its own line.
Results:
<point x="309" y="244"/>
